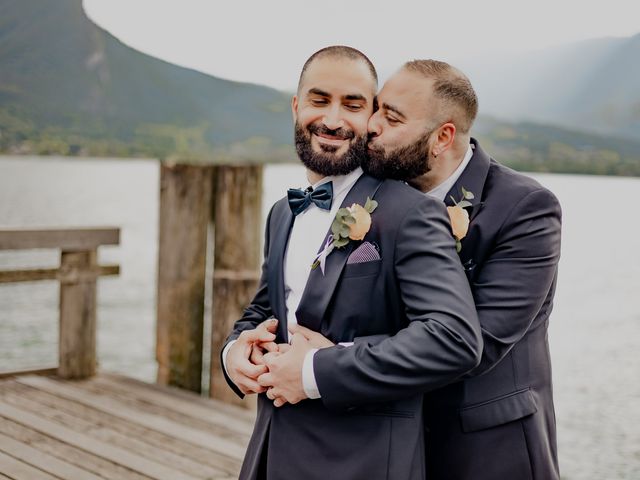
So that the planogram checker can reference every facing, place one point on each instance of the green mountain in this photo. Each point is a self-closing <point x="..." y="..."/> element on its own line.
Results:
<point x="69" y="87"/>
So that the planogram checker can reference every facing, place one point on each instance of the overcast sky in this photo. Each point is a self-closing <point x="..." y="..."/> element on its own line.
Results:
<point x="267" y="42"/>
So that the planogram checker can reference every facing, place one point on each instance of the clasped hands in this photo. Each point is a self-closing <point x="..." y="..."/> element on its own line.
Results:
<point x="256" y="364"/>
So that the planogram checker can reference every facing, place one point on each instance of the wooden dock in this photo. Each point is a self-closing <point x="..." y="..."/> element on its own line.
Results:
<point x="115" y="427"/>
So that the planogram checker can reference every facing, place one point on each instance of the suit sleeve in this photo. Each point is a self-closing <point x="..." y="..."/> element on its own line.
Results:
<point x="257" y="311"/>
<point x="442" y="341"/>
<point x="512" y="288"/>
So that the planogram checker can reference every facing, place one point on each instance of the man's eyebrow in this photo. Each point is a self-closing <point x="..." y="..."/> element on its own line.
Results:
<point x="355" y="96"/>
<point x="387" y="106"/>
<point x="317" y="91"/>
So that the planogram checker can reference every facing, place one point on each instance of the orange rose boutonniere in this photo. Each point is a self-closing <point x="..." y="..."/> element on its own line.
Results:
<point x="351" y="223"/>
<point x="459" y="217"/>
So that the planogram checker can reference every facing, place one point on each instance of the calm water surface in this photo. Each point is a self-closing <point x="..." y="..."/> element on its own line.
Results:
<point x="595" y="326"/>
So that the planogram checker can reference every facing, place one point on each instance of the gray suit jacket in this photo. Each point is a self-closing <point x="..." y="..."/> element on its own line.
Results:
<point x="417" y="287"/>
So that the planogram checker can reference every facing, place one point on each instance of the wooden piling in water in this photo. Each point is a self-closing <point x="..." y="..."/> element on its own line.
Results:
<point x="185" y="211"/>
<point x="237" y="220"/>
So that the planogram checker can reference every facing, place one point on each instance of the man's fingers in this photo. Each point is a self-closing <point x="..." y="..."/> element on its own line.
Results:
<point x="284" y="347"/>
<point x="265" y="380"/>
<point x="298" y="338"/>
<point x="252" y="371"/>
<point x="269" y="346"/>
<point x="270" y="357"/>
<point x="257" y="335"/>
<point x="269" y="325"/>
<point x="256" y="356"/>
<point x="295" y="328"/>
<point x="316" y="339"/>
<point x="248" y="386"/>
<point x="278" y="402"/>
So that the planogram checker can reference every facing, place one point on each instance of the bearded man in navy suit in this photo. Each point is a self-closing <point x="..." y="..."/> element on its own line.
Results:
<point x="498" y="422"/>
<point x="390" y="268"/>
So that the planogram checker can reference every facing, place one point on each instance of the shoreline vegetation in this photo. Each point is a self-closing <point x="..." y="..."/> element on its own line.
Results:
<point x="523" y="146"/>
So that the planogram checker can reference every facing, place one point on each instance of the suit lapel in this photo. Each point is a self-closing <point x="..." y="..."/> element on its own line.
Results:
<point x="275" y="270"/>
<point x="320" y="288"/>
<point x="473" y="179"/>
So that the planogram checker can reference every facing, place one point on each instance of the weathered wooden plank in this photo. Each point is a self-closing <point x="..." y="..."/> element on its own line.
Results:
<point x="18" y="470"/>
<point x="189" y="397"/>
<point x="165" y="457"/>
<point x="31" y="371"/>
<point x="67" y="414"/>
<point x="67" y="453"/>
<point x="185" y="206"/>
<point x="37" y="274"/>
<point x="67" y="239"/>
<point x="77" y="345"/>
<point x="238" y="210"/>
<point x="158" y="441"/>
<point x="150" y="421"/>
<point x="187" y="408"/>
<point x="43" y="461"/>
<point x="84" y="442"/>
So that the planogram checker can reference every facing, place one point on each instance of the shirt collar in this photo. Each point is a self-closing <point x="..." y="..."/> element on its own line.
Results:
<point x="440" y="192"/>
<point x="341" y="183"/>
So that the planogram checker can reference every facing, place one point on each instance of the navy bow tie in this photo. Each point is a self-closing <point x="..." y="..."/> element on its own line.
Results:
<point x="299" y="200"/>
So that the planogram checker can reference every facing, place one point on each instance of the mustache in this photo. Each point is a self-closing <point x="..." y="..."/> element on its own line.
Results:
<point x="341" y="133"/>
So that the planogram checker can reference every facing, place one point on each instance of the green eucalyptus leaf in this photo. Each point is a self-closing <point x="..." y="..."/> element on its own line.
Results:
<point x="370" y="205"/>
<point x="467" y="194"/>
<point x="341" y="243"/>
<point x="465" y="203"/>
<point x="315" y="264"/>
<point x="453" y="199"/>
<point x="336" y="225"/>
<point x="344" y="231"/>
<point x="349" y="220"/>
<point x="458" y="246"/>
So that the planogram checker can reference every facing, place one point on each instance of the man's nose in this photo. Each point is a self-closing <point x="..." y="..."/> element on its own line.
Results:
<point x="333" y="120"/>
<point x="374" y="126"/>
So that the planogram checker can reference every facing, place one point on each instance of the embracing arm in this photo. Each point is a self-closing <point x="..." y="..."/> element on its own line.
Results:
<point x="442" y="341"/>
<point x="515" y="282"/>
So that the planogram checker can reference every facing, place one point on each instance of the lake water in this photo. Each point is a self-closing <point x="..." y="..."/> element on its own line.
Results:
<point x="595" y="326"/>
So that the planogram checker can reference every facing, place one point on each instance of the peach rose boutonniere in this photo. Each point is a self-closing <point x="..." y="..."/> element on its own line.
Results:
<point x="350" y="223"/>
<point x="459" y="217"/>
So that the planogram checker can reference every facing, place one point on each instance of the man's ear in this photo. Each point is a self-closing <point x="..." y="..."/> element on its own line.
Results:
<point x="446" y="136"/>
<point x="294" y="108"/>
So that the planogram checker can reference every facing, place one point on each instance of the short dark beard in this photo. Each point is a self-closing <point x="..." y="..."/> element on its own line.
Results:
<point x="326" y="163"/>
<point x="403" y="163"/>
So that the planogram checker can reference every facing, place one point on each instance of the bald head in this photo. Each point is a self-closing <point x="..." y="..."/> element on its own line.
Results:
<point x="339" y="52"/>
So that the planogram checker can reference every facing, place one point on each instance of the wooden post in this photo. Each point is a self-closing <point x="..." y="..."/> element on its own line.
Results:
<point x="238" y="239"/>
<point x="77" y="349"/>
<point x="185" y="211"/>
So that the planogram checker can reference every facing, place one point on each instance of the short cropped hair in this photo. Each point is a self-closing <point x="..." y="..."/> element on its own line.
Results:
<point x="452" y="88"/>
<point x="339" y="51"/>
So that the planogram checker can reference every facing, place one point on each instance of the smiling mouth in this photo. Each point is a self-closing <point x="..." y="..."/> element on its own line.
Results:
<point x="330" y="139"/>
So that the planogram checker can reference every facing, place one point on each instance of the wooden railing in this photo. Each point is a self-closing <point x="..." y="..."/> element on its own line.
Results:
<point x="77" y="275"/>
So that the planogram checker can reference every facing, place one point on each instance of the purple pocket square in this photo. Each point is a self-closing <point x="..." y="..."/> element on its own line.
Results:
<point x="367" y="252"/>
